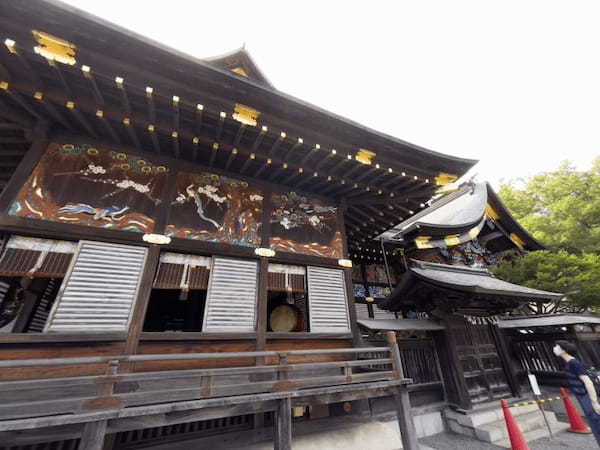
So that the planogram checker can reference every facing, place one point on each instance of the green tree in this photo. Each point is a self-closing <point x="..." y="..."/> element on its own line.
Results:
<point x="576" y="275"/>
<point x="561" y="208"/>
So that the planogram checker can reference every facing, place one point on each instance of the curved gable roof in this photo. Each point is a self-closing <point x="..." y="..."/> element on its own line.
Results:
<point x="461" y="215"/>
<point x="241" y="64"/>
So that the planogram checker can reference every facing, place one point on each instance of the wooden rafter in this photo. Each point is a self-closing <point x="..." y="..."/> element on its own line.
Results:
<point x="232" y="154"/>
<point x="97" y="94"/>
<point x="239" y="134"/>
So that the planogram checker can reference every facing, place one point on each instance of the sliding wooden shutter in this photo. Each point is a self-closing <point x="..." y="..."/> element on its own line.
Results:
<point x="231" y="297"/>
<point x="100" y="289"/>
<point x="328" y="308"/>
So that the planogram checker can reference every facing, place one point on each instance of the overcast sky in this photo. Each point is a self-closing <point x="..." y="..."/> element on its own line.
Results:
<point x="515" y="84"/>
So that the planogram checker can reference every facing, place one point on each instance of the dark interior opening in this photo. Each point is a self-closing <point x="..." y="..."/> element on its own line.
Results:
<point x="175" y="310"/>
<point x="25" y="303"/>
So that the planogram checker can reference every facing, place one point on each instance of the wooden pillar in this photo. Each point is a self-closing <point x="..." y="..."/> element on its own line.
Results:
<point x="452" y="369"/>
<point x="510" y="365"/>
<point x="93" y="436"/>
<point x="283" y="425"/>
<point x="94" y="433"/>
<point x="356" y="337"/>
<point x="263" y="279"/>
<point x="408" y="432"/>
<point x="141" y="303"/>
<point x="261" y="307"/>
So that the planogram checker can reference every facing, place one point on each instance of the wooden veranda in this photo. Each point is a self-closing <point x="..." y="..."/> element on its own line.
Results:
<point x="126" y="397"/>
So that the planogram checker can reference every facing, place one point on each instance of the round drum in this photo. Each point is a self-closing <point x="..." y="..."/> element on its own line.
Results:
<point x="286" y="318"/>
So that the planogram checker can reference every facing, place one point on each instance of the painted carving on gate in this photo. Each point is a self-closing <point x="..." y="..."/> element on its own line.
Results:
<point x="216" y="208"/>
<point x="85" y="185"/>
<point x="376" y="274"/>
<point x="303" y="225"/>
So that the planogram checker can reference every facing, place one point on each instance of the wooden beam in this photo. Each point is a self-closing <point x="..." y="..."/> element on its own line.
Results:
<point x="311" y="152"/>
<point x="16" y="97"/>
<point x="108" y="127"/>
<point x="176" y="150"/>
<point x="88" y="75"/>
<point x="199" y="114"/>
<point x="52" y="111"/>
<point x="239" y="134"/>
<point x="278" y="171"/>
<point x="293" y="176"/>
<point x="150" y="104"/>
<point x="294" y="148"/>
<point x="176" y="114"/>
<point x="19" y="53"/>
<point x="220" y="123"/>
<point x="247" y="163"/>
<point x="61" y="78"/>
<point x="262" y="168"/>
<point x="259" y="138"/>
<point x="195" y="144"/>
<point x="213" y="154"/>
<point x="324" y="160"/>
<point x="231" y="157"/>
<point x="276" y="144"/>
<point x="26" y="166"/>
<point x="155" y="144"/>
<point x="72" y="107"/>
<point x="131" y="132"/>
<point x="124" y="97"/>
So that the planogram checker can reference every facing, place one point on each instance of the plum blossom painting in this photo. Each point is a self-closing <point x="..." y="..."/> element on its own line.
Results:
<point x="216" y="208"/>
<point x="303" y="225"/>
<point x="86" y="185"/>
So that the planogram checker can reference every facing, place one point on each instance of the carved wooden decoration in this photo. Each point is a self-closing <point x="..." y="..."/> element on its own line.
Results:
<point x="303" y="225"/>
<point x="86" y="185"/>
<point x="216" y="208"/>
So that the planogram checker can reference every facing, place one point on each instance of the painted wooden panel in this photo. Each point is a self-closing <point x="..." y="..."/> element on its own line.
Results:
<point x="86" y="185"/>
<point x="216" y="208"/>
<point x="376" y="274"/>
<point x="303" y="225"/>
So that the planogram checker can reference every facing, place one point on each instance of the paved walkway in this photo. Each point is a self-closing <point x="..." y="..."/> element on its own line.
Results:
<point x="562" y="441"/>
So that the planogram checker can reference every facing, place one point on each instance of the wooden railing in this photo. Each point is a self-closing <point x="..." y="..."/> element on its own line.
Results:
<point x="22" y="399"/>
<point x="44" y="402"/>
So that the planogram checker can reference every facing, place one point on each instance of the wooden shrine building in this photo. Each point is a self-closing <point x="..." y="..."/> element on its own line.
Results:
<point x="177" y="238"/>
<point x="442" y="259"/>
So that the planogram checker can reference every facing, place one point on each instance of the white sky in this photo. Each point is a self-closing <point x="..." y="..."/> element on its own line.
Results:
<point x="515" y="84"/>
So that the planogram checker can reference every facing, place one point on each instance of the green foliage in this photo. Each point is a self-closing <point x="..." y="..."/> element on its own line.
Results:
<point x="562" y="210"/>
<point x="577" y="276"/>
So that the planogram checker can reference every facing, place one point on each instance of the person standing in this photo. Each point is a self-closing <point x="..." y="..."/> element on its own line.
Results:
<point x="580" y="384"/>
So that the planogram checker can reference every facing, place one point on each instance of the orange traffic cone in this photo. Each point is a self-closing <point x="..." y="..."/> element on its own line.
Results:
<point x="517" y="440"/>
<point x="577" y="423"/>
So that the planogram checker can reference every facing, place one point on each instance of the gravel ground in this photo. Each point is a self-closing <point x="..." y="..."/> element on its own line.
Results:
<point x="451" y="441"/>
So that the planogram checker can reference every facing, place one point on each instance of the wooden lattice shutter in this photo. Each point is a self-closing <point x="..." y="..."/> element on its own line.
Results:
<point x="100" y="289"/>
<point x="362" y="311"/>
<point x="328" y="308"/>
<point x="382" y="313"/>
<point x="231" y="297"/>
